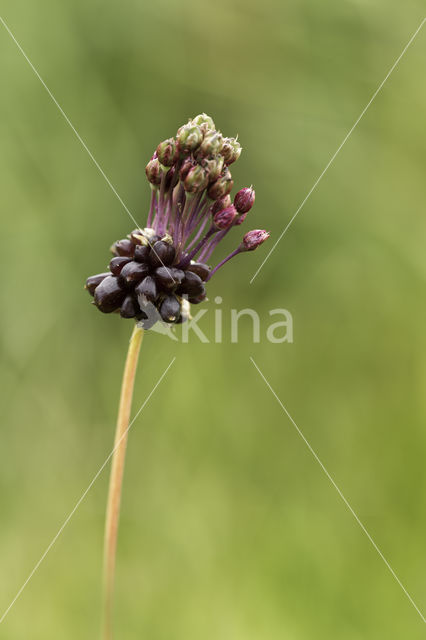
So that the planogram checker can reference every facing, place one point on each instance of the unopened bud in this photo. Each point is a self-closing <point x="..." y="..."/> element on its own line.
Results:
<point x="225" y="218"/>
<point x="231" y="150"/>
<point x="153" y="171"/>
<point x="204" y="121"/>
<point x="167" y="152"/>
<point x="170" y="178"/>
<point x="187" y="165"/>
<point x="189" y="137"/>
<point x="221" y="204"/>
<point x="221" y="187"/>
<point x="213" y="166"/>
<point x="196" y="180"/>
<point x="254" y="239"/>
<point x="212" y="143"/>
<point x="244" y="200"/>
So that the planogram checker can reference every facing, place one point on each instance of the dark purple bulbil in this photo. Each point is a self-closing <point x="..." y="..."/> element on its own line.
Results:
<point x="165" y="264"/>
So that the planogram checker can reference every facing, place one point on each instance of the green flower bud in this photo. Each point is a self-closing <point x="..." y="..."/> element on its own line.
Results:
<point x="186" y="167"/>
<point x="196" y="180"/>
<point x="153" y="171"/>
<point x="231" y="150"/>
<point x="212" y="143"/>
<point x="167" y="152"/>
<point x="204" y="121"/>
<point x="189" y="137"/>
<point x="221" y="187"/>
<point x="213" y="166"/>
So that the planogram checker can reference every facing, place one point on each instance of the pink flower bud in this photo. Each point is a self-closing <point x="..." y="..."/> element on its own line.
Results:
<point x="254" y="238"/>
<point x="225" y="218"/>
<point x="153" y="171"/>
<point x="244" y="200"/>
<point x="221" y="204"/>
<point x="167" y="152"/>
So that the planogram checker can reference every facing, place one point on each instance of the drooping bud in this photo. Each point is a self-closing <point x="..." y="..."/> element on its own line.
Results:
<point x="189" y="137"/>
<point x="222" y="203"/>
<point x="167" y="152"/>
<point x="225" y="218"/>
<point x="196" y="180"/>
<point x="221" y="187"/>
<point x="153" y="171"/>
<point x="254" y="239"/>
<point x="213" y="166"/>
<point x="212" y="143"/>
<point x="244" y="200"/>
<point x="231" y="150"/>
<point x="204" y="121"/>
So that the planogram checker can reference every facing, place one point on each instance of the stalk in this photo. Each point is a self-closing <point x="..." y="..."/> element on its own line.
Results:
<point x="116" y="478"/>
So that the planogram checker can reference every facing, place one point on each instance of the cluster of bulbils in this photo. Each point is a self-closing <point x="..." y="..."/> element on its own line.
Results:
<point x="164" y="266"/>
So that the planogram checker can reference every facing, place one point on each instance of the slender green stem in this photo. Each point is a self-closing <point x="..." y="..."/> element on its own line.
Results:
<point x="116" y="478"/>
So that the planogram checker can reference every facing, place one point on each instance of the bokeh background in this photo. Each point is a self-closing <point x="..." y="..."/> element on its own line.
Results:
<point x="229" y="528"/>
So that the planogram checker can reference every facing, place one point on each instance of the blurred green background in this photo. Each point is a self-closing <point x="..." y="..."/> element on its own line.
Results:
<point x="229" y="527"/>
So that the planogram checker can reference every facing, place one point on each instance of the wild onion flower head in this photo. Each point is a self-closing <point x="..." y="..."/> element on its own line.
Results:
<point x="166" y="264"/>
